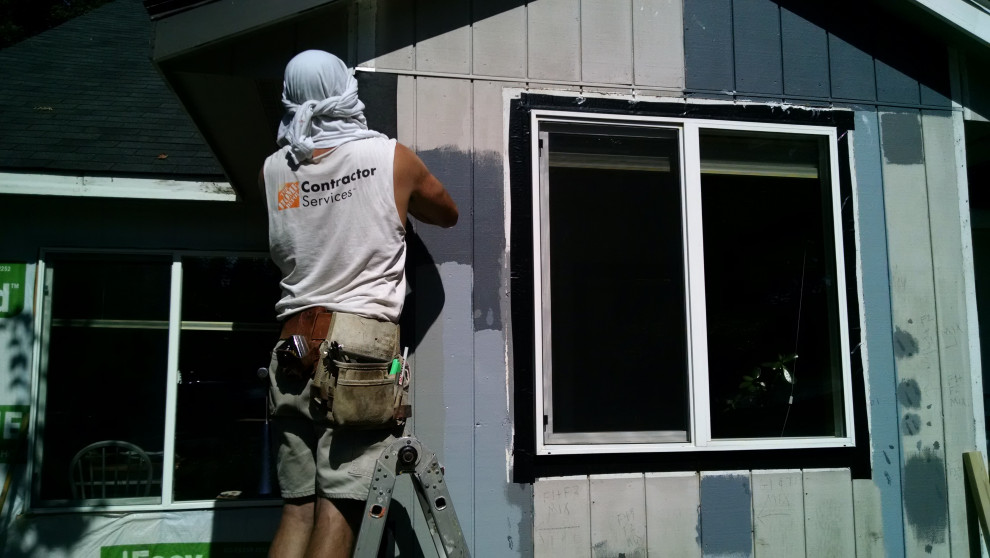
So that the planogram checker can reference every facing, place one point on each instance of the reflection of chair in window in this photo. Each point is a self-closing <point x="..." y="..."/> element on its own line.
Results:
<point x="110" y="469"/>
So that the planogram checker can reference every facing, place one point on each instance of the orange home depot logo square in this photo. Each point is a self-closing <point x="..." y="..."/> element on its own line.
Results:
<point x="288" y="196"/>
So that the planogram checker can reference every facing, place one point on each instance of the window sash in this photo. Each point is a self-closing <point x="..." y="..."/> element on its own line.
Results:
<point x="42" y="328"/>
<point x="699" y="436"/>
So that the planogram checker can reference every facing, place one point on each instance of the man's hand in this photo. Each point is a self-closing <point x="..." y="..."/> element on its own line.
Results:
<point x="419" y="193"/>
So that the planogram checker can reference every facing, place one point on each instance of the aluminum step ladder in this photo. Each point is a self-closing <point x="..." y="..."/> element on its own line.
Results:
<point x="409" y="455"/>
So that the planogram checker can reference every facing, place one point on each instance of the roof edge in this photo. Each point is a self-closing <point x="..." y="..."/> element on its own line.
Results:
<point x="114" y="187"/>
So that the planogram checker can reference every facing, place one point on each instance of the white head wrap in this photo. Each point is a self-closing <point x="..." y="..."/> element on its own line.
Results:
<point x="322" y="105"/>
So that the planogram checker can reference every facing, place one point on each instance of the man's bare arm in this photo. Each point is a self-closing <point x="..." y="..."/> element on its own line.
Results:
<point x="419" y="193"/>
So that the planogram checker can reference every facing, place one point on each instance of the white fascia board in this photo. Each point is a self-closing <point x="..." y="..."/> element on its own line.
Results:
<point x="965" y="15"/>
<point x="111" y="187"/>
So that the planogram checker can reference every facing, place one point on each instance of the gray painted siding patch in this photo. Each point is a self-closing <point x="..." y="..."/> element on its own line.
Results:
<point x="851" y="71"/>
<point x="925" y="496"/>
<point x="756" y="30"/>
<point x="893" y="86"/>
<point x="931" y="97"/>
<point x="905" y="345"/>
<point x="489" y="240"/>
<point x="902" y="142"/>
<point x="708" y="45"/>
<point x="726" y="516"/>
<point x="454" y="168"/>
<point x="805" y="48"/>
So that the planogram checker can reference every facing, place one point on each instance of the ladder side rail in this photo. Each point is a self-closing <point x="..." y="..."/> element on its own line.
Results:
<point x="438" y="506"/>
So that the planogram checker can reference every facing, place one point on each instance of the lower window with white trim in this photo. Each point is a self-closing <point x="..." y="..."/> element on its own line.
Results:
<point x="148" y="388"/>
<point x="690" y="290"/>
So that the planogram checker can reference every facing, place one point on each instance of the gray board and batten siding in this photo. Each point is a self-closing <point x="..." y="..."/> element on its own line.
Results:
<point x="914" y="317"/>
<point x="905" y="169"/>
<point x="450" y="63"/>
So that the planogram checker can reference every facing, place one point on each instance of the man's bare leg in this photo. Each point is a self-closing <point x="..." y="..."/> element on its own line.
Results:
<point x="335" y="528"/>
<point x="294" y="530"/>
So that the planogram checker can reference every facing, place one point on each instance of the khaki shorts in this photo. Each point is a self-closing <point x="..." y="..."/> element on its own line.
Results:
<point x="312" y="457"/>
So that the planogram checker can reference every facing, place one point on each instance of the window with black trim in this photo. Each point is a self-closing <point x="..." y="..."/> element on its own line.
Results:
<point x="689" y="282"/>
<point x="148" y="386"/>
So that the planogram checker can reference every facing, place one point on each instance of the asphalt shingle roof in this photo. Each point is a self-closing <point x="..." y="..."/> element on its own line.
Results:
<point x="84" y="98"/>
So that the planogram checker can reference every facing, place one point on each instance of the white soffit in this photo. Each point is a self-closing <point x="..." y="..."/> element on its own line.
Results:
<point x="110" y="187"/>
<point x="964" y="14"/>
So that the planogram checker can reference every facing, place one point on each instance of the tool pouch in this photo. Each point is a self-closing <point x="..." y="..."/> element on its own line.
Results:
<point x="364" y="396"/>
<point x="352" y="374"/>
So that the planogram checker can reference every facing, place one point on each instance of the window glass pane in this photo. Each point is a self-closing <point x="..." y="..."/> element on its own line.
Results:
<point x="773" y="325"/>
<point x="618" y="345"/>
<point x="105" y="378"/>
<point x="228" y="329"/>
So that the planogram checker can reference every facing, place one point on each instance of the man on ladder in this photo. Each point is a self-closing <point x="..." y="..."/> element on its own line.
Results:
<point x="337" y="196"/>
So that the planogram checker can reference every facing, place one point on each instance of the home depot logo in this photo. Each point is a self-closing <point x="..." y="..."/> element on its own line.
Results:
<point x="288" y="196"/>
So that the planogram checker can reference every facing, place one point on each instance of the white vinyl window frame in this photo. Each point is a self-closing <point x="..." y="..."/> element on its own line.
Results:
<point x="699" y="435"/>
<point x="175" y="325"/>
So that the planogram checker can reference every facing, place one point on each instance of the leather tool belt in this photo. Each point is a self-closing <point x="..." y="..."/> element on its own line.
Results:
<point x="301" y="336"/>
<point x="355" y="365"/>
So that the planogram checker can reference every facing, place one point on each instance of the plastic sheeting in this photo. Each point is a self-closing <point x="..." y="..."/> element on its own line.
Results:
<point x="188" y="534"/>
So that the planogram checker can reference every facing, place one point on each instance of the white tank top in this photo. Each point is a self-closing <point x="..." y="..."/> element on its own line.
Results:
<point x="334" y="231"/>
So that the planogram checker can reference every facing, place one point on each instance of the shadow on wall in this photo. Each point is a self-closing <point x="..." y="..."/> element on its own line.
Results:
<point x="425" y="299"/>
<point x="18" y="350"/>
<point x="914" y="53"/>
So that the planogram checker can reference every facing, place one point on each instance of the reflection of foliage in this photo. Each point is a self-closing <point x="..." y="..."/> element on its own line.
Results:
<point x="759" y="386"/>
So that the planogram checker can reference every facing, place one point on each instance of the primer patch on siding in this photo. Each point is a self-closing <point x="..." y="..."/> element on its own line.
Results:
<point x="726" y="516"/>
<point x="901" y="138"/>
<point x="925" y="497"/>
<point x="911" y="424"/>
<point x="905" y="345"/>
<point x="909" y="394"/>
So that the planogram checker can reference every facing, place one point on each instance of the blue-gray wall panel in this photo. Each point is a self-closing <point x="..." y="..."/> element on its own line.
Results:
<point x="708" y="60"/>
<point x="756" y="28"/>
<point x="851" y="71"/>
<point x="878" y="325"/>
<point x="805" y="48"/>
